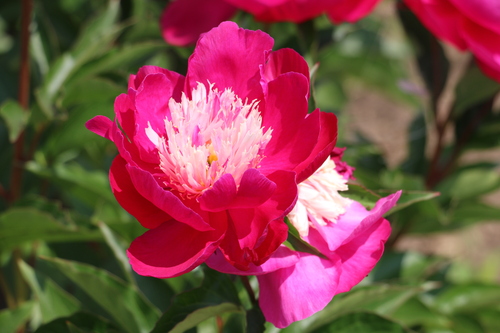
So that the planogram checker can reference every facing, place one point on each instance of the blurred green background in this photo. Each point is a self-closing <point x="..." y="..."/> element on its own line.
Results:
<point x="421" y="121"/>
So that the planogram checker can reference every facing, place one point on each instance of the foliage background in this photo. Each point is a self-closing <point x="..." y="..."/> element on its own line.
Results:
<point x="414" y="116"/>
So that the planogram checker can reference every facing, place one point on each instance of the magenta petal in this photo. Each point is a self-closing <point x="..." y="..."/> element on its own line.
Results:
<point x="441" y="18"/>
<point x="127" y="196"/>
<point x="175" y="80"/>
<point x="281" y="258"/>
<point x="283" y="61"/>
<point x="165" y="200"/>
<point x="483" y="12"/>
<point x="229" y="57"/>
<point x="220" y="196"/>
<point x="100" y="125"/>
<point x="171" y="249"/>
<point x="183" y="21"/>
<point x="254" y="190"/>
<point x="350" y="10"/>
<point x="297" y="292"/>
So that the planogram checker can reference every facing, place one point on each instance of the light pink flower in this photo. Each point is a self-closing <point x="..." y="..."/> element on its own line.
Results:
<point x="468" y="24"/>
<point x="184" y="20"/>
<point x="294" y="285"/>
<point x="211" y="161"/>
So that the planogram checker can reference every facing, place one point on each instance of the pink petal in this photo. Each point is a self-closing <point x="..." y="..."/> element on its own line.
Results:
<point x="100" y="125"/>
<point x="229" y="57"/>
<point x="183" y="21"/>
<point x="127" y="196"/>
<point x="220" y="196"/>
<point x="281" y="258"/>
<point x="165" y="200"/>
<point x="296" y="292"/>
<point x="350" y="225"/>
<point x="172" y="249"/>
<point x="350" y="10"/>
<point x="361" y="254"/>
<point x="175" y="80"/>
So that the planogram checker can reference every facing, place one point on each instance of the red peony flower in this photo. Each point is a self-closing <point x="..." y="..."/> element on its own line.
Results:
<point x="294" y="285"/>
<point x="183" y="21"/>
<point x="211" y="161"/>
<point x="468" y="24"/>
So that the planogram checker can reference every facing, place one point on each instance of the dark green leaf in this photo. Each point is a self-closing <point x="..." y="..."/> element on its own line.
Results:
<point x="473" y="88"/>
<point x="255" y="320"/>
<point x="54" y="302"/>
<point x="362" y="323"/>
<point x="123" y="302"/>
<point x="18" y="226"/>
<point x="216" y="296"/>
<point x="296" y="242"/>
<point x="82" y="321"/>
<point x="467" y="298"/>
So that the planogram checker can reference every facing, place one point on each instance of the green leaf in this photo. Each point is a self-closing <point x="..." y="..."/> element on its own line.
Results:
<point x="12" y="319"/>
<point x="471" y="211"/>
<point x="362" y="322"/>
<point x="409" y="198"/>
<point x="123" y="302"/>
<point x="473" y="88"/>
<point x="20" y="225"/>
<point x="296" y="242"/>
<point x="362" y="195"/>
<point x="15" y="117"/>
<point x="79" y="322"/>
<point x="255" y="320"/>
<point x="467" y="298"/>
<point x="54" y="302"/>
<point x="381" y="299"/>
<point x="414" y="312"/>
<point x="470" y="182"/>
<point x="217" y="295"/>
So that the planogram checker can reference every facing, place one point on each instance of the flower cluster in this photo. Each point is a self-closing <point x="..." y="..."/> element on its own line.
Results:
<point x="183" y="21"/>
<point x="213" y="162"/>
<point x="468" y="25"/>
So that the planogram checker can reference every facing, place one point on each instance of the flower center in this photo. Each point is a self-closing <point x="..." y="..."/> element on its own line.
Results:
<point x="318" y="200"/>
<point x="207" y="136"/>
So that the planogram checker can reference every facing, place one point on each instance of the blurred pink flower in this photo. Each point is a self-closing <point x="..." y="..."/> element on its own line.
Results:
<point x="183" y="21"/>
<point x="468" y="24"/>
<point x="212" y="160"/>
<point x="294" y="285"/>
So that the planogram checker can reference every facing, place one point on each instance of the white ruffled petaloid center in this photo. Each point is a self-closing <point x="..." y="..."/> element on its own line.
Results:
<point x="207" y="136"/>
<point x="319" y="201"/>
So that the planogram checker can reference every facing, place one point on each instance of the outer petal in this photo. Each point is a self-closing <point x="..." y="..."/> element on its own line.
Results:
<point x="485" y="45"/>
<point x="281" y="258"/>
<point x="280" y="62"/>
<point x="324" y="145"/>
<point x="100" y="125"/>
<point x="229" y="57"/>
<point x="127" y="196"/>
<point x="350" y="10"/>
<point x="484" y="12"/>
<point x="296" y="292"/>
<point x="350" y="225"/>
<point x="360" y="255"/>
<point x="286" y="113"/>
<point x="183" y="21"/>
<point x="165" y="200"/>
<point x="172" y="249"/>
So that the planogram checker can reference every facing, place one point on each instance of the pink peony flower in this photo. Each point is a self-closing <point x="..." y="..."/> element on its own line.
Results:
<point x="469" y="25"/>
<point x="183" y="21"/>
<point x="211" y="161"/>
<point x="294" y="285"/>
